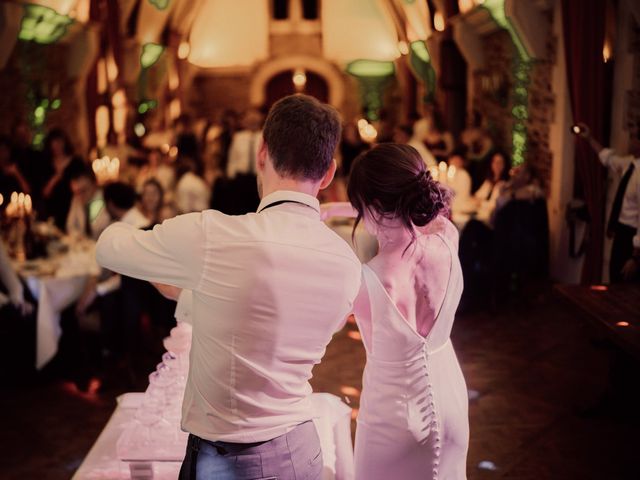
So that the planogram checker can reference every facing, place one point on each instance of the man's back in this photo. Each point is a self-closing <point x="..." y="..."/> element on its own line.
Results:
<point x="270" y="289"/>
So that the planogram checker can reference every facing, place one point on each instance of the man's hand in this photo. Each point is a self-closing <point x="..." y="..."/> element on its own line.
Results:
<point x="630" y="269"/>
<point x="168" y="291"/>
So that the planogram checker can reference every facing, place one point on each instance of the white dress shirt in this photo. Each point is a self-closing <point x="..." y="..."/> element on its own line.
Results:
<point x="243" y="152"/>
<point x="269" y="291"/>
<point x="630" y="212"/>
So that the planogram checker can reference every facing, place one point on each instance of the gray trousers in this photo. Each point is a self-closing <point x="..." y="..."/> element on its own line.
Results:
<point x="293" y="456"/>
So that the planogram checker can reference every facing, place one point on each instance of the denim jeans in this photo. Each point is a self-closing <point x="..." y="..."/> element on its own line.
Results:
<point x="295" y="455"/>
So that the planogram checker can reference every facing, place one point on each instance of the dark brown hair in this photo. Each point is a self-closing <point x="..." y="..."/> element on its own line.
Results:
<point x="301" y="135"/>
<point x="392" y="181"/>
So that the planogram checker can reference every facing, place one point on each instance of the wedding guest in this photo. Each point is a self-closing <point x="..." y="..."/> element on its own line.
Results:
<point x="244" y="146"/>
<point x="261" y="318"/>
<point x="460" y="182"/>
<point x="488" y="193"/>
<point x="88" y="215"/>
<point x="157" y="167"/>
<point x="192" y="193"/>
<point x="413" y="418"/>
<point x="152" y="202"/>
<point x="437" y="140"/>
<point x="624" y="219"/>
<point x="60" y="163"/>
<point x="419" y="133"/>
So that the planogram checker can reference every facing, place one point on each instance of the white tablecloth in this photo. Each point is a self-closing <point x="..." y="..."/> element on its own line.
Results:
<point x="333" y="425"/>
<point x="56" y="284"/>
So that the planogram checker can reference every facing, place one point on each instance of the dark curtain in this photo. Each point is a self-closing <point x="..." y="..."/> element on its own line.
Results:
<point x="584" y="25"/>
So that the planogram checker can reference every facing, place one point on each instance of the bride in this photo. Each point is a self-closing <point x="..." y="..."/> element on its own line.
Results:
<point x="413" y="419"/>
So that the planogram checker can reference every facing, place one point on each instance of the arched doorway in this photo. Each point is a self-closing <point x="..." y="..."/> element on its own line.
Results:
<point x="282" y="84"/>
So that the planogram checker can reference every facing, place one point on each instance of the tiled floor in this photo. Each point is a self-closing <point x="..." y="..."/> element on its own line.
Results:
<point x="534" y="367"/>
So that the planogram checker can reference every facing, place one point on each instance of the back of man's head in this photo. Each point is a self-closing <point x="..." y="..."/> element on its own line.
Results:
<point x="301" y="135"/>
<point x="120" y="195"/>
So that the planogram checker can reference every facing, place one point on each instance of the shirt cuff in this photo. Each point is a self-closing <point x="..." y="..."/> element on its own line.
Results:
<point x="605" y="155"/>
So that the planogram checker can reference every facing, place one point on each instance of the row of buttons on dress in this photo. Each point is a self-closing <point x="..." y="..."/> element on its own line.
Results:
<point x="434" y="422"/>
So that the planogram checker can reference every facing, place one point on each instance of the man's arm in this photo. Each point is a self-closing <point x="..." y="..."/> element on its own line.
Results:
<point x="171" y="253"/>
<point x="607" y="156"/>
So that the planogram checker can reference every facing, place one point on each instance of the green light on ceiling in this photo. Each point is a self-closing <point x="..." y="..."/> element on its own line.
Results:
<point x="147" y="105"/>
<point x="43" y="25"/>
<point x="496" y="9"/>
<point x="419" y="49"/>
<point x="160" y="4"/>
<point x="150" y="54"/>
<point x="370" y="68"/>
<point x="55" y="104"/>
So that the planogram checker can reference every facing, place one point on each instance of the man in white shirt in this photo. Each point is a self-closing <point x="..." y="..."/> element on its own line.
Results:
<point x="269" y="290"/>
<point x="245" y="145"/>
<point x="624" y="220"/>
<point x="87" y="216"/>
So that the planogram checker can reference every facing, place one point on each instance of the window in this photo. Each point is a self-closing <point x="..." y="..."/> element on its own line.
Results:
<point x="280" y="9"/>
<point x="310" y="9"/>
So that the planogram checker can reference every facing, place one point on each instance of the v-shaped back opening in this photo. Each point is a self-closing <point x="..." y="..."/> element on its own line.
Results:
<point x="395" y="306"/>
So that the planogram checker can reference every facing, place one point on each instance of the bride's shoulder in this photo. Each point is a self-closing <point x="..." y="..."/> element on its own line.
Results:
<point x="441" y="227"/>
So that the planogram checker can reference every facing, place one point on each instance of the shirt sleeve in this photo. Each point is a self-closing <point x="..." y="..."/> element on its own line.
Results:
<point x="610" y="159"/>
<point x="172" y="253"/>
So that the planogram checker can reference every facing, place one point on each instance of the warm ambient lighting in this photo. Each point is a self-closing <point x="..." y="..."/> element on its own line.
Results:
<point x="106" y="169"/>
<point x="606" y="51"/>
<point x="622" y="324"/>
<point x="599" y="288"/>
<point x="465" y="5"/>
<point x="438" y="22"/>
<point x="403" y="48"/>
<point x="299" y="79"/>
<point x="183" y="50"/>
<point x="102" y="125"/>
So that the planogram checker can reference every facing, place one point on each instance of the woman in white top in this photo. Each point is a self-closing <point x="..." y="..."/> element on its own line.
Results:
<point x="413" y="419"/>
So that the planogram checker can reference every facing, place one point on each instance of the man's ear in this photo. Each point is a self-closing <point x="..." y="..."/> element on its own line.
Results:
<point x="261" y="158"/>
<point x="328" y="177"/>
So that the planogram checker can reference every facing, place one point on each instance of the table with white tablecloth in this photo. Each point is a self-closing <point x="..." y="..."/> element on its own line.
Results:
<point x="333" y="423"/>
<point x="56" y="283"/>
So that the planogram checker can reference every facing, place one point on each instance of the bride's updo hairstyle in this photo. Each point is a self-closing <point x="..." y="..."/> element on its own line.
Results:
<point x="391" y="181"/>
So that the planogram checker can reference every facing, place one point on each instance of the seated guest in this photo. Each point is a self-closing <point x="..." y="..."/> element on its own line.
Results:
<point x="416" y="134"/>
<point x="525" y="184"/>
<point x="87" y="216"/>
<point x="152" y="202"/>
<point x="120" y="201"/>
<point x="11" y="179"/>
<point x="489" y="191"/>
<point x="460" y="182"/>
<point x="103" y="290"/>
<point x="59" y="164"/>
<point x="157" y="168"/>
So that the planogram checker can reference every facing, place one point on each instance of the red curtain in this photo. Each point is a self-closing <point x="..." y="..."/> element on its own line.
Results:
<point x="584" y="26"/>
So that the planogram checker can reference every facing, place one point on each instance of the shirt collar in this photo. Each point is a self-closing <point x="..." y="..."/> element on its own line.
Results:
<point x="288" y="195"/>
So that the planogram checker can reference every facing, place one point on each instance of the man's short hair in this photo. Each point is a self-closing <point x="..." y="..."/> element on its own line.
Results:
<point x="120" y="194"/>
<point x="301" y="135"/>
<point x="80" y="170"/>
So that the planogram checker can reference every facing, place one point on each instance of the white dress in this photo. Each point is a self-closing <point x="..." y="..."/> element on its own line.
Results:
<point x="413" y="419"/>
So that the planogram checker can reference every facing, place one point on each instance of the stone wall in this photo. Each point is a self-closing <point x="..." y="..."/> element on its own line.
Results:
<point x="493" y="89"/>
